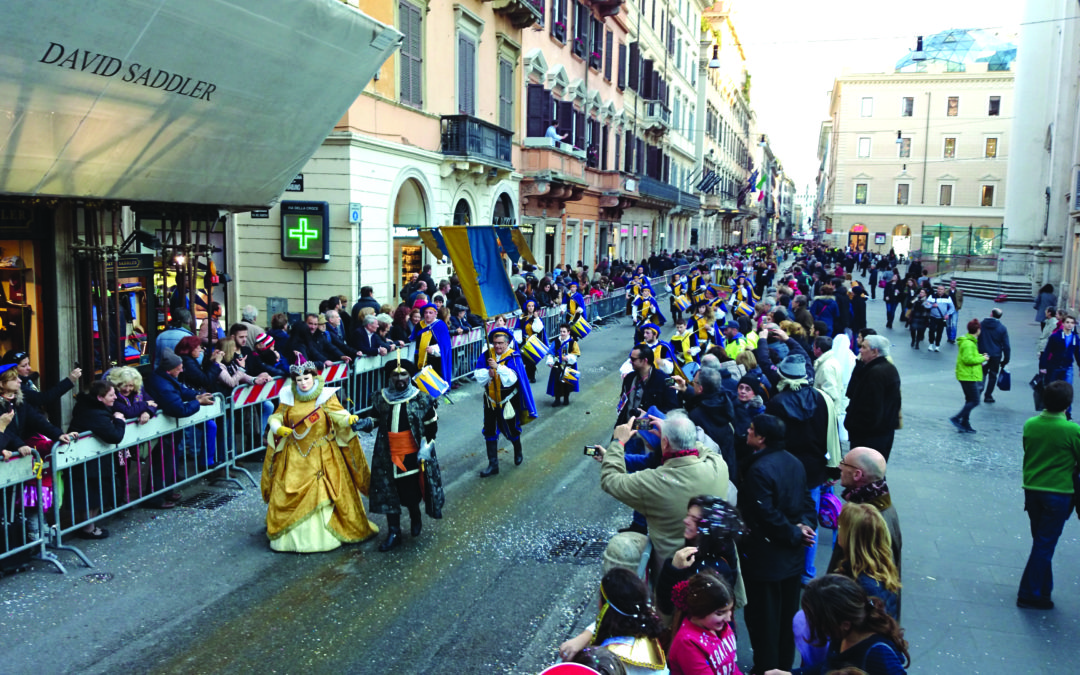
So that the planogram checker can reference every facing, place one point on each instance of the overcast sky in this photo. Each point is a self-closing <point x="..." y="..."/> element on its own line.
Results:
<point x="795" y="49"/>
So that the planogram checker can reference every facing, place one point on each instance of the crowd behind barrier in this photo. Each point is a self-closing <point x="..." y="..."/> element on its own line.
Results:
<point x="49" y="497"/>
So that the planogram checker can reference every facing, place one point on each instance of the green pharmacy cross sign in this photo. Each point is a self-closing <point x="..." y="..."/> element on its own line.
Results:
<point x="305" y="231"/>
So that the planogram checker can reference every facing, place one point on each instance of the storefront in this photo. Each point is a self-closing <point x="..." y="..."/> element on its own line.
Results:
<point x="27" y="284"/>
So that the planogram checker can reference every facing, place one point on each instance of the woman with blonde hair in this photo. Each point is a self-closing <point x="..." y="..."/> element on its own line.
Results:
<point x="232" y="374"/>
<point x="867" y="555"/>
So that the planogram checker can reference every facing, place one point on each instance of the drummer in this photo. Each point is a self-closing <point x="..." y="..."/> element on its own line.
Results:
<point x="646" y="311"/>
<point x="563" y="357"/>
<point x="530" y="324"/>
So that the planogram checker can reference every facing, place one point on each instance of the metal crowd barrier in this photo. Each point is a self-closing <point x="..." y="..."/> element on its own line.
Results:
<point x="101" y="479"/>
<point x="24" y="530"/>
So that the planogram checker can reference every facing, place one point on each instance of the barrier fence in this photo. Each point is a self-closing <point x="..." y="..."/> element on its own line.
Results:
<point x="49" y="497"/>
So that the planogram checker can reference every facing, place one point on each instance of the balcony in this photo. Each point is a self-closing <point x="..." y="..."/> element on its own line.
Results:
<point x="657" y="117"/>
<point x="689" y="201"/>
<point x="658" y="190"/>
<point x="606" y="7"/>
<point x="552" y="170"/>
<point x="521" y="13"/>
<point x="474" y="144"/>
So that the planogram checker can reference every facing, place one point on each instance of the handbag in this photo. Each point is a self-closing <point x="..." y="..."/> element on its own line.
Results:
<point x="1004" y="380"/>
<point x="881" y="283"/>
<point x="1037" y="383"/>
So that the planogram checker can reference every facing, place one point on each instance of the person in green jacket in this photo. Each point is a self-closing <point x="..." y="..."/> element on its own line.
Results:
<point x="1051" y="461"/>
<point x="969" y="373"/>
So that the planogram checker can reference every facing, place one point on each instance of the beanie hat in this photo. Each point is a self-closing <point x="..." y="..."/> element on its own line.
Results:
<point x="793" y="367"/>
<point x="169" y="359"/>
<point x="264" y="341"/>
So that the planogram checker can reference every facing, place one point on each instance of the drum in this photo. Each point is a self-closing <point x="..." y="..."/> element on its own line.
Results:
<point x="682" y="302"/>
<point x="580" y="328"/>
<point x="431" y="382"/>
<point x="744" y="309"/>
<point x="569" y="375"/>
<point x="534" y="349"/>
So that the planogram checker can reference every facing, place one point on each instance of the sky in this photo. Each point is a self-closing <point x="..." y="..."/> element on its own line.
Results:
<point x="794" y="50"/>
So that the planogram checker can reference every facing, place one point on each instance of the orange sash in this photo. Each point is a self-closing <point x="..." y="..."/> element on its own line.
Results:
<point x="401" y="444"/>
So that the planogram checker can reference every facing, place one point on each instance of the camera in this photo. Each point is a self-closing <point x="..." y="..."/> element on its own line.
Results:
<point x="591" y="451"/>
<point x="642" y="423"/>
<point x="670" y="381"/>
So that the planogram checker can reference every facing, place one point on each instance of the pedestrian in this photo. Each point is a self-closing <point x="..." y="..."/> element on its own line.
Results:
<point x="873" y="392"/>
<point x="873" y="281"/>
<point x="994" y="342"/>
<point x="775" y="503"/>
<point x="1044" y="299"/>
<point x="704" y="642"/>
<point x="969" y="373"/>
<point x="891" y="294"/>
<point x="1061" y="352"/>
<point x="918" y="317"/>
<point x="1051" y="462"/>
<point x="957" y="295"/>
<point x="644" y="386"/>
<point x="861" y="636"/>
<point x="941" y="310"/>
<point x="508" y="400"/>
<point x="824" y="308"/>
<point x="407" y="421"/>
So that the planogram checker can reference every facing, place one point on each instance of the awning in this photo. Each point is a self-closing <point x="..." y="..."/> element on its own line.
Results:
<point x="217" y="102"/>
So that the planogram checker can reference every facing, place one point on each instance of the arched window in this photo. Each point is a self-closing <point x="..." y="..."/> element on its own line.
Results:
<point x="462" y="213"/>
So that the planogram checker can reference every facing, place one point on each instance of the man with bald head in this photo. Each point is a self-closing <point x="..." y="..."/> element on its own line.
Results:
<point x="862" y="475"/>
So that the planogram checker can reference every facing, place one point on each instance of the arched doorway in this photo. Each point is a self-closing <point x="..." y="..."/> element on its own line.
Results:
<point x="503" y="213"/>
<point x="901" y="242"/>
<point x="462" y="213"/>
<point x="857" y="237"/>
<point x="410" y="214"/>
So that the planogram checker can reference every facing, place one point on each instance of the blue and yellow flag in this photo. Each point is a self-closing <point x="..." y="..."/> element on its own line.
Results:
<point x="474" y="251"/>
<point x="434" y="243"/>
<point x="430" y="381"/>
<point x="514" y="244"/>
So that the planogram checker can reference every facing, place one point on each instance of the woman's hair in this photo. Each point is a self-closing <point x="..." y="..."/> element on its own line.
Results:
<point x="416" y="311"/>
<point x="973" y="326"/>
<point x="228" y="345"/>
<point x="1048" y="288"/>
<point x="867" y="545"/>
<point x="385" y="308"/>
<point x="827" y="289"/>
<point x="99" y="388"/>
<point x="126" y="375"/>
<point x="700" y="596"/>
<point x="630" y="612"/>
<point x="833" y="599"/>
<point x="279" y="321"/>
<point x="444" y="314"/>
<point x="792" y="328"/>
<point x="719" y="353"/>
<point x="746" y="359"/>
<point x="187" y="346"/>
<point x="7" y="376"/>
<point x="600" y="659"/>
<point x="401" y="315"/>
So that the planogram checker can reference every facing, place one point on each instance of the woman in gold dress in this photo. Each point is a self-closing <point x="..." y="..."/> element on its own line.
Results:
<point x="314" y="470"/>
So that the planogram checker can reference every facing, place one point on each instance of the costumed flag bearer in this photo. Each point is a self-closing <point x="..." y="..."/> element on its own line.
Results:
<point x="663" y="354"/>
<point x="508" y="400"/>
<point x="433" y="347"/>
<point x="563" y="357"/>
<point x="404" y="470"/>
<point x="646" y="311"/>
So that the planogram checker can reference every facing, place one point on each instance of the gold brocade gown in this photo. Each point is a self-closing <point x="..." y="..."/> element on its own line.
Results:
<point x="312" y="478"/>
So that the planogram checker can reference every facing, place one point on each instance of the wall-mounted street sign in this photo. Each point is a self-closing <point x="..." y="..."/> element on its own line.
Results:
<point x="305" y="231"/>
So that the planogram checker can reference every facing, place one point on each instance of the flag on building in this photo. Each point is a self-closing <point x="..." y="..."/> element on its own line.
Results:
<point x="474" y="251"/>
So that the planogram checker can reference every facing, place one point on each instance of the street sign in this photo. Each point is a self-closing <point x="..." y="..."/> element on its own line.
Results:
<point x="354" y="213"/>
<point x="263" y="214"/>
<point x="297" y="184"/>
<point x="305" y="231"/>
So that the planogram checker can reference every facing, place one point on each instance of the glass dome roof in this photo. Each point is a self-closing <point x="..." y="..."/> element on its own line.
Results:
<point x="959" y="47"/>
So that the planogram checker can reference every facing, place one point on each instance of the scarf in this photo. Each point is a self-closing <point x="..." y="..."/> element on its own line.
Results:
<point x="876" y="494"/>
<point x="794" y="384"/>
<point x="692" y="452"/>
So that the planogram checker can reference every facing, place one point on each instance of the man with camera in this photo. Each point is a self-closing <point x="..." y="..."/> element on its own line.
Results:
<point x="645" y="386"/>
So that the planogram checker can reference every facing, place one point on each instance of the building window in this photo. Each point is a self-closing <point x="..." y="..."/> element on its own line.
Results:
<point x="905" y="147"/>
<point x="954" y="106"/>
<point x="949" y="152"/>
<point x="995" y="106"/>
<point x="907" y="106"/>
<point x="558" y="19"/>
<point x="991" y="148"/>
<point x="860" y="192"/>
<point x="945" y="195"/>
<point x="864" y="147"/>
<point x="987" y="195"/>
<point x="581" y="29"/>
<point x="867" y="109"/>
<point x="411" y="75"/>
<point x="466" y="75"/>
<point x="902" y="192"/>
<point x="506" y="94"/>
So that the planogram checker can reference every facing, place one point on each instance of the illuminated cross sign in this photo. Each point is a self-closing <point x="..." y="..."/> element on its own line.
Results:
<point x="302" y="233"/>
<point x="305" y="231"/>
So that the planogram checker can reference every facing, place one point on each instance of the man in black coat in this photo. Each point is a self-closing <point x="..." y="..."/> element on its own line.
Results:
<point x="644" y="387"/>
<point x="994" y="342"/>
<point x="365" y="339"/>
<point x="715" y="414"/>
<point x="780" y="519"/>
<point x="873" y="411"/>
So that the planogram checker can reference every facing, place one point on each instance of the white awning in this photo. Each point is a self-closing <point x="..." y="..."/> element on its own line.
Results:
<point x="217" y="102"/>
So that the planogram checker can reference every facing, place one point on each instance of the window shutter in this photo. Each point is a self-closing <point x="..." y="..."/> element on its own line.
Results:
<point x="566" y="120"/>
<point x="647" y="89"/>
<point x="604" y="134"/>
<point x="622" y="66"/>
<point x="609" y="41"/>
<point x="506" y="94"/>
<point x="629" y="159"/>
<point x="466" y="76"/>
<point x="579" y="129"/>
<point x="537" y="111"/>
<point x="410" y="61"/>
<point x="635" y="66"/>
